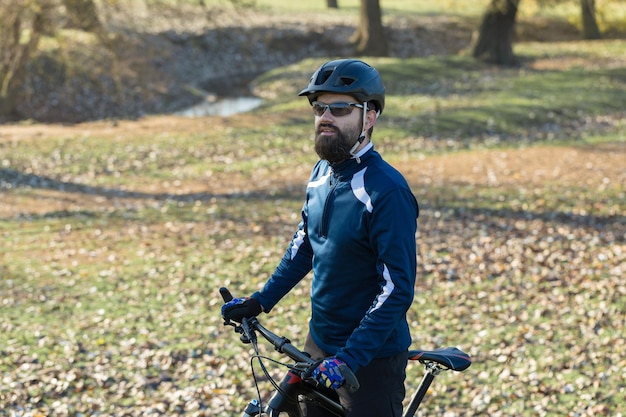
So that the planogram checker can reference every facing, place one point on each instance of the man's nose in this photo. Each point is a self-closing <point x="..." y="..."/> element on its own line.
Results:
<point x="327" y="115"/>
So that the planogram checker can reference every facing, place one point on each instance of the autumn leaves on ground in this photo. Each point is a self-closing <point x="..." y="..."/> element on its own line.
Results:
<point x="110" y="302"/>
<point x="117" y="235"/>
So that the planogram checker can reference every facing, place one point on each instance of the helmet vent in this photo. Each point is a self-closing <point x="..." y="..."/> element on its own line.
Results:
<point x="324" y="76"/>
<point x="344" y="81"/>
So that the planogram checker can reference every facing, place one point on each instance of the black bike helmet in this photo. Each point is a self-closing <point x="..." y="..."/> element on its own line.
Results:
<point x="347" y="76"/>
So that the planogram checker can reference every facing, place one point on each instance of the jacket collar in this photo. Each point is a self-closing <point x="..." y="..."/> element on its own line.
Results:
<point x="350" y="166"/>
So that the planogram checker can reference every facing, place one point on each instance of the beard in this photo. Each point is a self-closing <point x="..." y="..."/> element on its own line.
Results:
<point x="336" y="148"/>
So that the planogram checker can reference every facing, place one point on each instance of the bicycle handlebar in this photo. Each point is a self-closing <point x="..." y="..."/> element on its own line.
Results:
<point x="304" y="363"/>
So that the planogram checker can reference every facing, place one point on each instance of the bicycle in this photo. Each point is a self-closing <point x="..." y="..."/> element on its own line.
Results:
<point x="297" y="384"/>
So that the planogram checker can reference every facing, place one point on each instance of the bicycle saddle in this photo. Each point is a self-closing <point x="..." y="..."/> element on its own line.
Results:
<point x="450" y="357"/>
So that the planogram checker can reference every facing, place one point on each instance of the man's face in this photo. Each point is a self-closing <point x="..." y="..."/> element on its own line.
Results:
<point x="336" y="135"/>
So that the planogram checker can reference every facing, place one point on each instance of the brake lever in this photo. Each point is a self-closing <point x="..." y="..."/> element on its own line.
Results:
<point x="305" y="372"/>
<point x="248" y="335"/>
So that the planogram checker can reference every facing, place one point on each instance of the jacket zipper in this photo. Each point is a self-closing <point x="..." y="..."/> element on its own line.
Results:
<point x="327" y="204"/>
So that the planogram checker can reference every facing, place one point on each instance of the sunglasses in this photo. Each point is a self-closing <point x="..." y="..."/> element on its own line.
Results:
<point x="336" y="109"/>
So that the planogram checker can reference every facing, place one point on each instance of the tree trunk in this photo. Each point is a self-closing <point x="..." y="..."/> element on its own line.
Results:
<point x="16" y="23"/>
<point x="590" y="25"/>
<point x="496" y="33"/>
<point x="370" y="36"/>
<point x="332" y="4"/>
<point x="82" y="14"/>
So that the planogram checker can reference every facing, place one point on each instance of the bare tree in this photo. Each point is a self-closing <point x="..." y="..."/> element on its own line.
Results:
<point x="590" y="25"/>
<point x="496" y="33"/>
<point x="370" y="36"/>
<point x="21" y="26"/>
<point x="83" y="15"/>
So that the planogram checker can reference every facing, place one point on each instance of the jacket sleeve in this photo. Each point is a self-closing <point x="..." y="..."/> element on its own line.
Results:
<point x="392" y="233"/>
<point x="295" y="265"/>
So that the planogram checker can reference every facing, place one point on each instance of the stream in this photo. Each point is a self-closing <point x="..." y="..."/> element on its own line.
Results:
<point x="226" y="106"/>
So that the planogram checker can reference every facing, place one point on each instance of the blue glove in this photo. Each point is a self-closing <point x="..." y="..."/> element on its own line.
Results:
<point x="240" y="308"/>
<point x="328" y="374"/>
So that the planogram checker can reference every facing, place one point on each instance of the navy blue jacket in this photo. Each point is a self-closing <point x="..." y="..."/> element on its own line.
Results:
<point x="358" y="235"/>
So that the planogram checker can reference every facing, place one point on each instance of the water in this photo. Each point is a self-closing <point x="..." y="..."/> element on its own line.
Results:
<point x="222" y="106"/>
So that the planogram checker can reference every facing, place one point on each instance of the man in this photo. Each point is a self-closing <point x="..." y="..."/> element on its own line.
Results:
<point x="357" y="234"/>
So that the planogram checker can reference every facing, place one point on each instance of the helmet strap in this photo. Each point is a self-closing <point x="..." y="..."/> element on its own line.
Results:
<point x="361" y="138"/>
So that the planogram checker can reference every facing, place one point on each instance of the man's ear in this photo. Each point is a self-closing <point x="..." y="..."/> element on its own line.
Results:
<point x="371" y="118"/>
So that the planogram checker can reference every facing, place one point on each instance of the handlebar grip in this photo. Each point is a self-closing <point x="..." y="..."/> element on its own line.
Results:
<point x="351" y="382"/>
<point x="226" y="295"/>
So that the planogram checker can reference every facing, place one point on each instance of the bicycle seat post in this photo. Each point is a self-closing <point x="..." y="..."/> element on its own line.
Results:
<point x="432" y="370"/>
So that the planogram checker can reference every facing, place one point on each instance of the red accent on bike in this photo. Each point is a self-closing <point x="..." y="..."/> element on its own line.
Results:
<point x="293" y="378"/>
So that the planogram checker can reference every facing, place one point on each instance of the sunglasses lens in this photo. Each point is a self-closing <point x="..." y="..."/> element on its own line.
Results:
<point x="319" y="108"/>
<point x="336" y="109"/>
<point x="340" y="109"/>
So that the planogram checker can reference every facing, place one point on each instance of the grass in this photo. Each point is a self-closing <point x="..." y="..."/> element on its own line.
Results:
<point x="117" y="237"/>
<point x="610" y="14"/>
<point x="457" y="97"/>
<point x="607" y="10"/>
